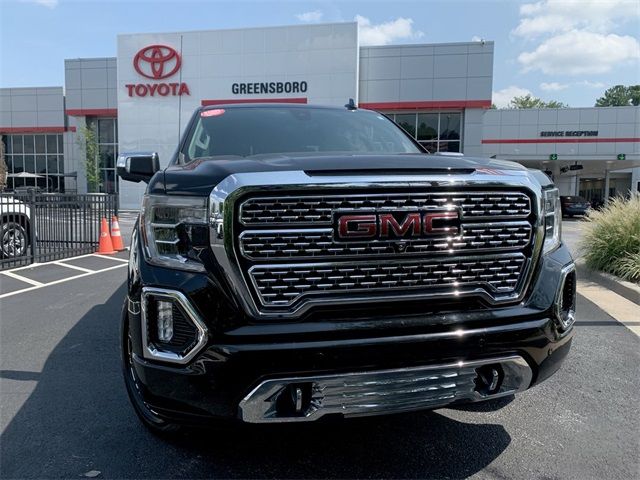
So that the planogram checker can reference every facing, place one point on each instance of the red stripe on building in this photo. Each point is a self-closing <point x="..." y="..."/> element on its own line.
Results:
<point x="12" y="130"/>
<point x="561" y="140"/>
<point x="93" y="112"/>
<point x="206" y="103"/>
<point x="435" y="104"/>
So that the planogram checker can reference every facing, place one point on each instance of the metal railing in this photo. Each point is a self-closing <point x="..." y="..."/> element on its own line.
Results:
<point x="42" y="227"/>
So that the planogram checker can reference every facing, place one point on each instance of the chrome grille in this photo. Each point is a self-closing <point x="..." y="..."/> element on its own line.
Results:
<point x="282" y="285"/>
<point x="320" y="243"/>
<point x="318" y="209"/>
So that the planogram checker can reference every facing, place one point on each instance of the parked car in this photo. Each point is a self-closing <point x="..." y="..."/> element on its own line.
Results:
<point x="294" y="262"/>
<point x="15" y="225"/>
<point x="574" y="206"/>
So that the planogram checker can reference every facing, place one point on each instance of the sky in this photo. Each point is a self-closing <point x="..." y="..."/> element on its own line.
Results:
<point x="566" y="50"/>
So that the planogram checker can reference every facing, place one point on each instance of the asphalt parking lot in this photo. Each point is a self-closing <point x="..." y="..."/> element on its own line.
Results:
<point x="65" y="413"/>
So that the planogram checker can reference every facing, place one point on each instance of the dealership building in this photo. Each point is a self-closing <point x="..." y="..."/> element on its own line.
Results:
<point x="440" y="93"/>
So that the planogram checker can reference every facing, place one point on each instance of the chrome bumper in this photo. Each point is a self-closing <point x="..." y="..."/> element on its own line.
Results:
<point x="384" y="391"/>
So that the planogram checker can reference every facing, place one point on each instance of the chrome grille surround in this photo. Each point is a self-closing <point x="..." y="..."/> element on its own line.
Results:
<point x="235" y="255"/>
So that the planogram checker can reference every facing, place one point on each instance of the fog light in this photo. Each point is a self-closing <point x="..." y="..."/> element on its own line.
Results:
<point x="565" y="309"/>
<point x="165" y="320"/>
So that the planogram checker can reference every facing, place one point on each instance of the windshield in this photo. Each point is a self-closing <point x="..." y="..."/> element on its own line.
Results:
<point x="268" y="130"/>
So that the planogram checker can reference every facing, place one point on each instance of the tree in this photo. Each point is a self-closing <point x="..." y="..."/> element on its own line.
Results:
<point x="528" y="101"/>
<point x="89" y="144"/>
<point x="620" y="96"/>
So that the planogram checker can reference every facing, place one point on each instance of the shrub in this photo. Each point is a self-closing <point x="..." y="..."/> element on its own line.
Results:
<point x="612" y="238"/>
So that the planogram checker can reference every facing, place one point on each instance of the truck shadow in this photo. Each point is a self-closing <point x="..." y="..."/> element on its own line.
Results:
<point x="78" y="419"/>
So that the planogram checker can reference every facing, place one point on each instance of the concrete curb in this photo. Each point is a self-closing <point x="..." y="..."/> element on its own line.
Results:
<point x="628" y="290"/>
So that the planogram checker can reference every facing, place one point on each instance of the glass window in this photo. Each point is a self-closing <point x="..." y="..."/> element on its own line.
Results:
<point x="52" y="143"/>
<point x="41" y="164"/>
<point x="106" y="130"/>
<point x="408" y="122"/>
<point x="16" y="141"/>
<point x="52" y="164"/>
<point x="107" y="154"/>
<point x="28" y="144"/>
<point x="430" y="147"/>
<point x="109" y="181"/>
<point x="30" y="163"/>
<point x="6" y="139"/>
<point x="40" y="141"/>
<point x="9" y="161"/>
<point x="450" y="126"/>
<point x="449" y="147"/>
<point x="436" y="131"/>
<point x="428" y="126"/>
<point x="18" y="163"/>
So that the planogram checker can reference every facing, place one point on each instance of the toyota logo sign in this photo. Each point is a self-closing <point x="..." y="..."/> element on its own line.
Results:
<point x="157" y="62"/>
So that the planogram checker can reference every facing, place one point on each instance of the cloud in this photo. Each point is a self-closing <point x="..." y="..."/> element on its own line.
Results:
<point x="476" y="38"/>
<point x="386" y="32"/>
<point x="44" y="3"/>
<point x="580" y="52"/>
<point x="555" y="16"/>
<point x="501" y="98"/>
<point x="553" y="86"/>
<point x="589" y="84"/>
<point x="310" y="17"/>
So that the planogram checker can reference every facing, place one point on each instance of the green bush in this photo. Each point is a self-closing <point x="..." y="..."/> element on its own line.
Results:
<point x="612" y="238"/>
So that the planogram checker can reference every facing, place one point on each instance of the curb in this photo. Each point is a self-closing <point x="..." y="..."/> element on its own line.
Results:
<point x="625" y="289"/>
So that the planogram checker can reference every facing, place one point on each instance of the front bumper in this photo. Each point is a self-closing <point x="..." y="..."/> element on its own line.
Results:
<point x="242" y="360"/>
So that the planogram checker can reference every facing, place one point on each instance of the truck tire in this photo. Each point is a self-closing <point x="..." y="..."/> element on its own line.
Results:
<point x="155" y="424"/>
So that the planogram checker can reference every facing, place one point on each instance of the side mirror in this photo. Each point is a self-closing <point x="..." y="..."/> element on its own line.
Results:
<point x="137" y="166"/>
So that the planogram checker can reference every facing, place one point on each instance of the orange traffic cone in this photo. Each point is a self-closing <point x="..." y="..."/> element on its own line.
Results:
<point x="116" y="237"/>
<point x="105" y="247"/>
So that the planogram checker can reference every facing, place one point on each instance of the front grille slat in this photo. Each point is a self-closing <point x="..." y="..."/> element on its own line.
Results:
<point x="317" y="209"/>
<point x="296" y="244"/>
<point x="285" y="284"/>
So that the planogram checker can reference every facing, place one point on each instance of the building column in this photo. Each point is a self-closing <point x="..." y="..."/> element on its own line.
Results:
<point x="607" y="176"/>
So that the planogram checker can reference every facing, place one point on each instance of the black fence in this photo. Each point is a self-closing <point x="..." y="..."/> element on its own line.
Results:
<point x="42" y="227"/>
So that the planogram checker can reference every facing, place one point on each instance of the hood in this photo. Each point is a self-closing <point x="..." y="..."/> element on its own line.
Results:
<point x="200" y="176"/>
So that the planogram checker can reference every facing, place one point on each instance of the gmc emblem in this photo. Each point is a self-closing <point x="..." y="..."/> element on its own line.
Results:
<point x="397" y="225"/>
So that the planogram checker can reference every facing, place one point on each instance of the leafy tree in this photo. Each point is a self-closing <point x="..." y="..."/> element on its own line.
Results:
<point x="620" y="96"/>
<point x="89" y="144"/>
<point x="529" y="101"/>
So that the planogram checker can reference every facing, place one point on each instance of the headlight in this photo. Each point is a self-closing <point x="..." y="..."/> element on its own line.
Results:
<point x="552" y="220"/>
<point x="175" y="231"/>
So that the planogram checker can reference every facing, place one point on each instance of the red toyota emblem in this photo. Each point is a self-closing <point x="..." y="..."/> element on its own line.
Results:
<point x="157" y="62"/>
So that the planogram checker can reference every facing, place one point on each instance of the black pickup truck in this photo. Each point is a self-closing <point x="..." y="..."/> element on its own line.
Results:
<point x="295" y="262"/>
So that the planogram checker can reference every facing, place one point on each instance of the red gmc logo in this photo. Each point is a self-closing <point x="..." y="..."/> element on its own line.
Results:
<point x="397" y="225"/>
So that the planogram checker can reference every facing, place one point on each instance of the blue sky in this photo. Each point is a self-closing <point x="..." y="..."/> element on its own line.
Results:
<point x="568" y="50"/>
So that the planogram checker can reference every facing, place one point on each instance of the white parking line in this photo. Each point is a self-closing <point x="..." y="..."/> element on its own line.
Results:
<point x="22" y="279"/>
<point x="55" y="282"/>
<point x="74" y="267"/>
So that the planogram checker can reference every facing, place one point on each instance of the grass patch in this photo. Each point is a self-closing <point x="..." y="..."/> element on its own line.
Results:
<point x="612" y="238"/>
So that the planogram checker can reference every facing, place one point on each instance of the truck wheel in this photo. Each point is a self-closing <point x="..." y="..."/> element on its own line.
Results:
<point x="14" y="240"/>
<point x="150" y="420"/>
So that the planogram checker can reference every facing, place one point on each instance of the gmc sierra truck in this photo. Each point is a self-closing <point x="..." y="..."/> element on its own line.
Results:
<point x="295" y="262"/>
